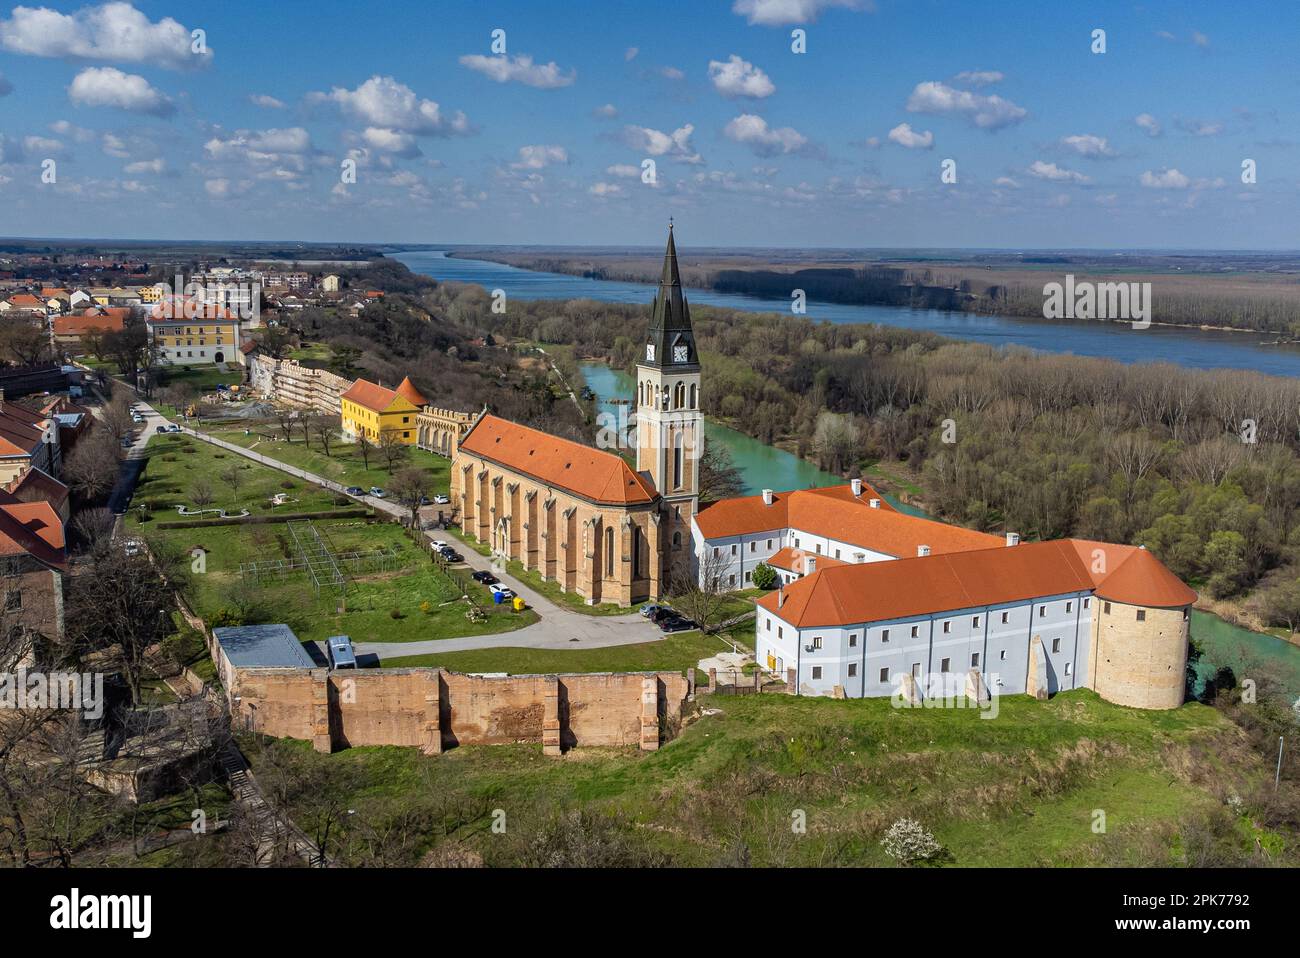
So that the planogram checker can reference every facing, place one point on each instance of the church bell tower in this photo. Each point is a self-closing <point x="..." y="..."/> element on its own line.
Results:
<point x="670" y="428"/>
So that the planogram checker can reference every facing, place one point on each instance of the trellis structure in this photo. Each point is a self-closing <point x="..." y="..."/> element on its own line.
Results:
<point x="317" y="557"/>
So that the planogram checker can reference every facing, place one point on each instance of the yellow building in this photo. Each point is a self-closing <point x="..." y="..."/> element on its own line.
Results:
<point x="194" y="334"/>
<point x="370" y="410"/>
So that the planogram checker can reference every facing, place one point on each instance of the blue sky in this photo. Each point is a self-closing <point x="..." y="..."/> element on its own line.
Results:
<point x="752" y="144"/>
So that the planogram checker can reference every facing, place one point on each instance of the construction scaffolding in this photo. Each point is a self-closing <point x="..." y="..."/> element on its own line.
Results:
<point x="316" y="556"/>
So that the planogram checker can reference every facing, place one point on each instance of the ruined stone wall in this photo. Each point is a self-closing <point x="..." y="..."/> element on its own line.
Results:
<point x="433" y="709"/>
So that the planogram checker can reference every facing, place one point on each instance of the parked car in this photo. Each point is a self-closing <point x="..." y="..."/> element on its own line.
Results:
<point x="377" y="492"/>
<point x="502" y="591"/>
<point x="485" y="577"/>
<point x="440" y="500"/>
<point x="439" y="545"/>
<point x="661" y="613"/>
<point x="159" y="428"/>
<point x="173" y="428"/>
<point x="355" y="491"/>
<point x="452" y="556"/>
<point x="425" y="501"/>
<point x="675" y="623"/>
<point x="649" y="610"/>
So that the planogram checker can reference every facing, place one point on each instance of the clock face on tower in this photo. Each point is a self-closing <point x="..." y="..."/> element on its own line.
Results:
<point x="681" y="354"/>
<point x="649" y="352"/>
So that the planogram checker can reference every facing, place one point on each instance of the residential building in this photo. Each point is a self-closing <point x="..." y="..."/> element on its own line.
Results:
<point x="192" y="333"/>
<point x="370" y="410"/>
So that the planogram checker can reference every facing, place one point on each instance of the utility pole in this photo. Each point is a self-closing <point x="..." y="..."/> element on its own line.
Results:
<point x="1277" y="776"/>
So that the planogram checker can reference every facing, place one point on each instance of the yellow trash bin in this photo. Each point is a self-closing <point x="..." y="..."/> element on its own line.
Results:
<point x="518" y="604"/>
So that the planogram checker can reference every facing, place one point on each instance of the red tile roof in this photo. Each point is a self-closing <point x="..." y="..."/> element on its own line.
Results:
<point x="36" y="485"/>
<point x="31" y="528"/>
<point x="373" y="396"/>
<point x="593" y="474"/>
<point x="877" y="591"/>
<point x="795" y="560"/>
<point x="102" y="319"/>
<point x="835" y="513"/>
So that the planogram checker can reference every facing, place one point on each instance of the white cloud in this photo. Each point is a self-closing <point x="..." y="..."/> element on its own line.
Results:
<point x="385" y="102"/>
<point x="753" y="131"/>
<point x="978" y="78"/>
<point x="739" y="77"/>
<point x="904" y="135"/>
<point x="1149" y="123"/>
<point x="1201" y="127"/>
<point x="217" y="187"/>
<point x="671" y="73"/>
<point x="539" y="156"/>
<point x="266" y="101"/>
<point x="279" y="148"/>
<point x="986" y="112"/>
<point x="630" y="53"/>
<point x="676" y="145"/>
<point x="390" y="141"/>
<point x="1085" y="144"/>
<point x="78" y="133"/>
<point x="1006" y="181"/>
<point x="606" y="112"/>
<point x="41" y="146"/>
<point x="109" y="86"/>
<point x="146" y="166"/>
<point x="605" y="189"/>
<point x="623" y="169"/>
<point x="115" y="32"/>
<point x="1058" y="174"/>
<point x="1200" y="39"/>
<point x="519" y="69"/>
<point x="1166" y="179"/>
<point x="777" y="13"/>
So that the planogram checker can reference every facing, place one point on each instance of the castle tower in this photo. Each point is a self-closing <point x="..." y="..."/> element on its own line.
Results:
<point x="670" y="428"/>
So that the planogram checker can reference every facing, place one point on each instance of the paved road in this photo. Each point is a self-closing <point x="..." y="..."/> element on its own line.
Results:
<point x="559" y="628"/>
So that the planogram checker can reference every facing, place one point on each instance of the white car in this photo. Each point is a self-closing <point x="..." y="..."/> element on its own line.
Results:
<point x="440" y="500"/>
<point x="502" y="591"/>
<point x="439" y="545"/>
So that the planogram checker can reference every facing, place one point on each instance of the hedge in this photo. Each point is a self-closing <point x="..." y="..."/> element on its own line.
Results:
<point x="261" y="520"/>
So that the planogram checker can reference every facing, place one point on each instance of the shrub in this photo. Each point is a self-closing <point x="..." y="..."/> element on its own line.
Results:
<point x="394" y="613"/>
<point x="288" y="484"/>
<point x="764" y="576"/>
<point x="188" y="449"/>
<point x="907" y="841"/>
<point x="218" y="455"/>
<point x="426" y="607"/>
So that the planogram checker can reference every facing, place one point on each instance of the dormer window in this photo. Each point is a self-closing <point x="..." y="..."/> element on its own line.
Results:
<point x="649" y="352"/>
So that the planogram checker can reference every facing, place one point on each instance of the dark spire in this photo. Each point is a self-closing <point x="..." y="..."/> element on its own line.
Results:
<point x="670" y="319"/>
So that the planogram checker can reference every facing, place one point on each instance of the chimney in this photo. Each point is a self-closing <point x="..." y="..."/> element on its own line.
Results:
<point x="767" y="497"/>
<point x="780" y="596"/>
<point x="857" y="487"/>
<point x="809" y="565"/>
<point x="922" y="550"/>
<point x="1013" y="538"/>
<point x="874" y="503"/>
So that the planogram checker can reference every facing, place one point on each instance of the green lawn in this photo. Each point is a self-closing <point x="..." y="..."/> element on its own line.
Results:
<point x="343" y="464"/>
<point x="1019" y="790"/>
<point x="376" y="592"/>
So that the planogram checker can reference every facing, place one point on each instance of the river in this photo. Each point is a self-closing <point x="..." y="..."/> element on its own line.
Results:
<point x="1194" y="348"/>
<point x="766" y="467"/>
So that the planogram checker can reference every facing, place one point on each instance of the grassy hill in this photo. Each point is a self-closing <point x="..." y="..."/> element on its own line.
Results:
<point x="1025" y="788"/>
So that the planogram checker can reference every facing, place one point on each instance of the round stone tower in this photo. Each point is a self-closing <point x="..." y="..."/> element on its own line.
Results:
<point x="1139" y="634"/>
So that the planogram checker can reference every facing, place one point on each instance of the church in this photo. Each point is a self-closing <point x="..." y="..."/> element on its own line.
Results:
<point x="583" y="517"/>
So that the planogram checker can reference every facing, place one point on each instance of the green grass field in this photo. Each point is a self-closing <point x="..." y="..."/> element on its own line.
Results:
<point x="343" y="464"/>
<point x="1024" y="789"/>
<point x="375" y="594"/>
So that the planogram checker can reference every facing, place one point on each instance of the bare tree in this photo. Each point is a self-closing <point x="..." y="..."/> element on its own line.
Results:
<point x="700" y="595"/>
<point x="285" y="418"/>
<point x="410" y="487"/>
<point x="201" y="493"/>
<point x="393" y="449"/>
<point x="325" y="430"/>
<point x="364" y="448"/>
<point x="233" y="476"/>
<point x="92" y="467"/>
